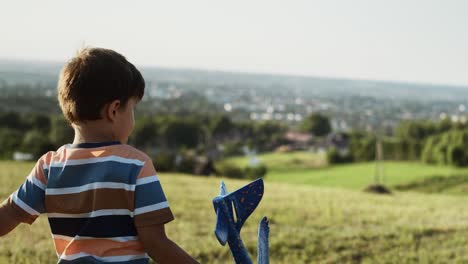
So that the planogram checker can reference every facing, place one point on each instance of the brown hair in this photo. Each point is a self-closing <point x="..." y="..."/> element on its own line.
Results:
<point x="93" y="78"/>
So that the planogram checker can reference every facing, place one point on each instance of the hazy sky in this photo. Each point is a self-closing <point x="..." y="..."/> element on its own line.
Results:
<point x="409" y="40"/>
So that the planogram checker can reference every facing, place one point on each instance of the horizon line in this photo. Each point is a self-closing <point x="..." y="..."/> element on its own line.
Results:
<point x="282" y="74"/>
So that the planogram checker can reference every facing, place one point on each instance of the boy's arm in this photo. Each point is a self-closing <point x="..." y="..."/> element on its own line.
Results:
<point x="27" y="203"/>
<point x="151" y="213"/>
<point x="160" y="248"/>
<point x="8" y="217"/>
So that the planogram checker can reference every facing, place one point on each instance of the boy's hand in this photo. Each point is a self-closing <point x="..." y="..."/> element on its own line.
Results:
<point x="160" y="248"/>
<point x="8" y="217"/>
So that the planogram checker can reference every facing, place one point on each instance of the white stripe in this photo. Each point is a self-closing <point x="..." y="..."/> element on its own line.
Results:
<point x="147" y="180"/>
<point x="118" y="239"/>
<point x="36" y="182"/>
<point x="104" y="259"/>
<point x="93" y="213"/>
<point x="90" y="186"/>
<point x="97" y="160"/>
<point x="150" y="208"/>
<point x="23" y="205"/>
<point x="44" y="167"/>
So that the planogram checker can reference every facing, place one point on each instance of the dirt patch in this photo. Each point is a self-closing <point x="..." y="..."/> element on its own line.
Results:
<point x="377" y="189"/>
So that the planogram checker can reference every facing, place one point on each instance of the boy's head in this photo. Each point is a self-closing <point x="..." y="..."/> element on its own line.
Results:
<point x="98" y="84"/>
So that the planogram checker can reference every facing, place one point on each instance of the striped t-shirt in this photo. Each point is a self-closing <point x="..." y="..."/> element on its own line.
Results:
<point x="94" y="194"/>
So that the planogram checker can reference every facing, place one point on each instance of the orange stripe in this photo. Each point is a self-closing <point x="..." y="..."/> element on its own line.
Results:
<point x="99" y="247"/>
<point x="76" y="154"/>
<point x="123" y="151"/>
<point x="38" y="172"/>
<point x="147" y="170"/>
<point x="47" y="158"/>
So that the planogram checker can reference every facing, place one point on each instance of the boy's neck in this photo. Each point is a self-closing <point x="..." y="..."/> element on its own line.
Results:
<point x="93" y="132"/>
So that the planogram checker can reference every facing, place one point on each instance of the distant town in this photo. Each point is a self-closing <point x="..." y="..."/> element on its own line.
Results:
<point x="350" y="104"/>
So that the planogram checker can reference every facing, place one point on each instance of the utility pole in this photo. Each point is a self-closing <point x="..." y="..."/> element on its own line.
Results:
<point x="379" y="173"/>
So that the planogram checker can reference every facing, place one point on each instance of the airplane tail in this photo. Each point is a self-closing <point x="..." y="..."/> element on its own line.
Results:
<point x="263" y="234"/>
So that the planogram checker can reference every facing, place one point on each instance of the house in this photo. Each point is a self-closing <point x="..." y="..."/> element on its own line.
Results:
<point x="296" y="141"/>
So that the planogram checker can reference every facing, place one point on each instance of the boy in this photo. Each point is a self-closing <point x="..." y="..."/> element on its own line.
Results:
<point x="103" y="199"/>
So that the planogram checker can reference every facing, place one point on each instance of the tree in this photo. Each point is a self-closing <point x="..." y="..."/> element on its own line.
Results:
<point x="448" y="148"/>
<point x="36" y="143"/>
<point x="221" y="127"/>
<point x="11" y="120"/>
<point x="317" y="124"/>
<point x="37" y="121"/>
<point x="267" y="135"/>
<point x="10" y="141"/>
<point x="444" y="125"/>
<point x="60" y="131"/>
<point x="415" y="130"/>
<point x="145" y="133"/>
<point x="363" y="147"/>
<point x="182" y="133"/>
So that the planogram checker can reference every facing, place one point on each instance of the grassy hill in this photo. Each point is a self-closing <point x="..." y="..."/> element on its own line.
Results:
<point x="308" y="224"/>
<point x="455" y="185"/>
<point x="285" y="162"/>
<point x="311" y="169"/>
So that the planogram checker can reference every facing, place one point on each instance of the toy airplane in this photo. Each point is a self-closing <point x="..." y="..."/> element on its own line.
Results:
<point x="232" y="210"/>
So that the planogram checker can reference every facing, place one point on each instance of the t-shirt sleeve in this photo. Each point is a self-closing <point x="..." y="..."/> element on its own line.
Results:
<point x="28" y="201"/>
<point x="151" y="206"/>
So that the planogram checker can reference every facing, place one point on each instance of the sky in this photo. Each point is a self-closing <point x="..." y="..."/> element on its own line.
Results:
<point x="400" y="40"/>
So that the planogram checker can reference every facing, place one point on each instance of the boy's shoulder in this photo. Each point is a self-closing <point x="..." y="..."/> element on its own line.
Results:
<point x="133" y="152"/>
<point x="66" y="152"/>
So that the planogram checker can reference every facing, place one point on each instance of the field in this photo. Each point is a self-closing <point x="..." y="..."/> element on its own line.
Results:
<point x="311" y="169"/>
<point x="309" y="224"/>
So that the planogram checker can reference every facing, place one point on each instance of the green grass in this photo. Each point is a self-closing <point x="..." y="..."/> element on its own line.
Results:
<point x="456" y="185"/>
<point x="308" y="224"/>
<point x="358" y="176"/>
<point x="311" y="169"/>
<point x="285" y="162"/>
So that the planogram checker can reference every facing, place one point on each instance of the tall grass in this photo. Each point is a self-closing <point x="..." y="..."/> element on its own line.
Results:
<point x="308" y="224"/>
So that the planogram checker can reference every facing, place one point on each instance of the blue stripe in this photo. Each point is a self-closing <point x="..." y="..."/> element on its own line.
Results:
<point x="102" y="226"/>
<point x="46" y="173"/>
<point x="91" y="260"/>
<point x="78" y="175"/>
<point x="32" y="195"/>
<point x="149" y="194"/>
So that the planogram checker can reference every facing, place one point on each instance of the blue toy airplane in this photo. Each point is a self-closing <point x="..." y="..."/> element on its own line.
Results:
<point x="232" y="210"/>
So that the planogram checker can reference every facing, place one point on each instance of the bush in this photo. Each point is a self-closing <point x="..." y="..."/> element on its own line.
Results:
<point x="164" y="161"/>
<point x="456" y="156"/>
<point x="336" y="157"/>
<point x="254" y="172"/>
<point x="230" y="170"/>
<point x="233" y="149"/>
<point x="233" y="171"/>
<point x="186" y="163"/>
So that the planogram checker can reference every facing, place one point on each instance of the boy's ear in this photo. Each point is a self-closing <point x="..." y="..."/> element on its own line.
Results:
<point x="112" y="109"/>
